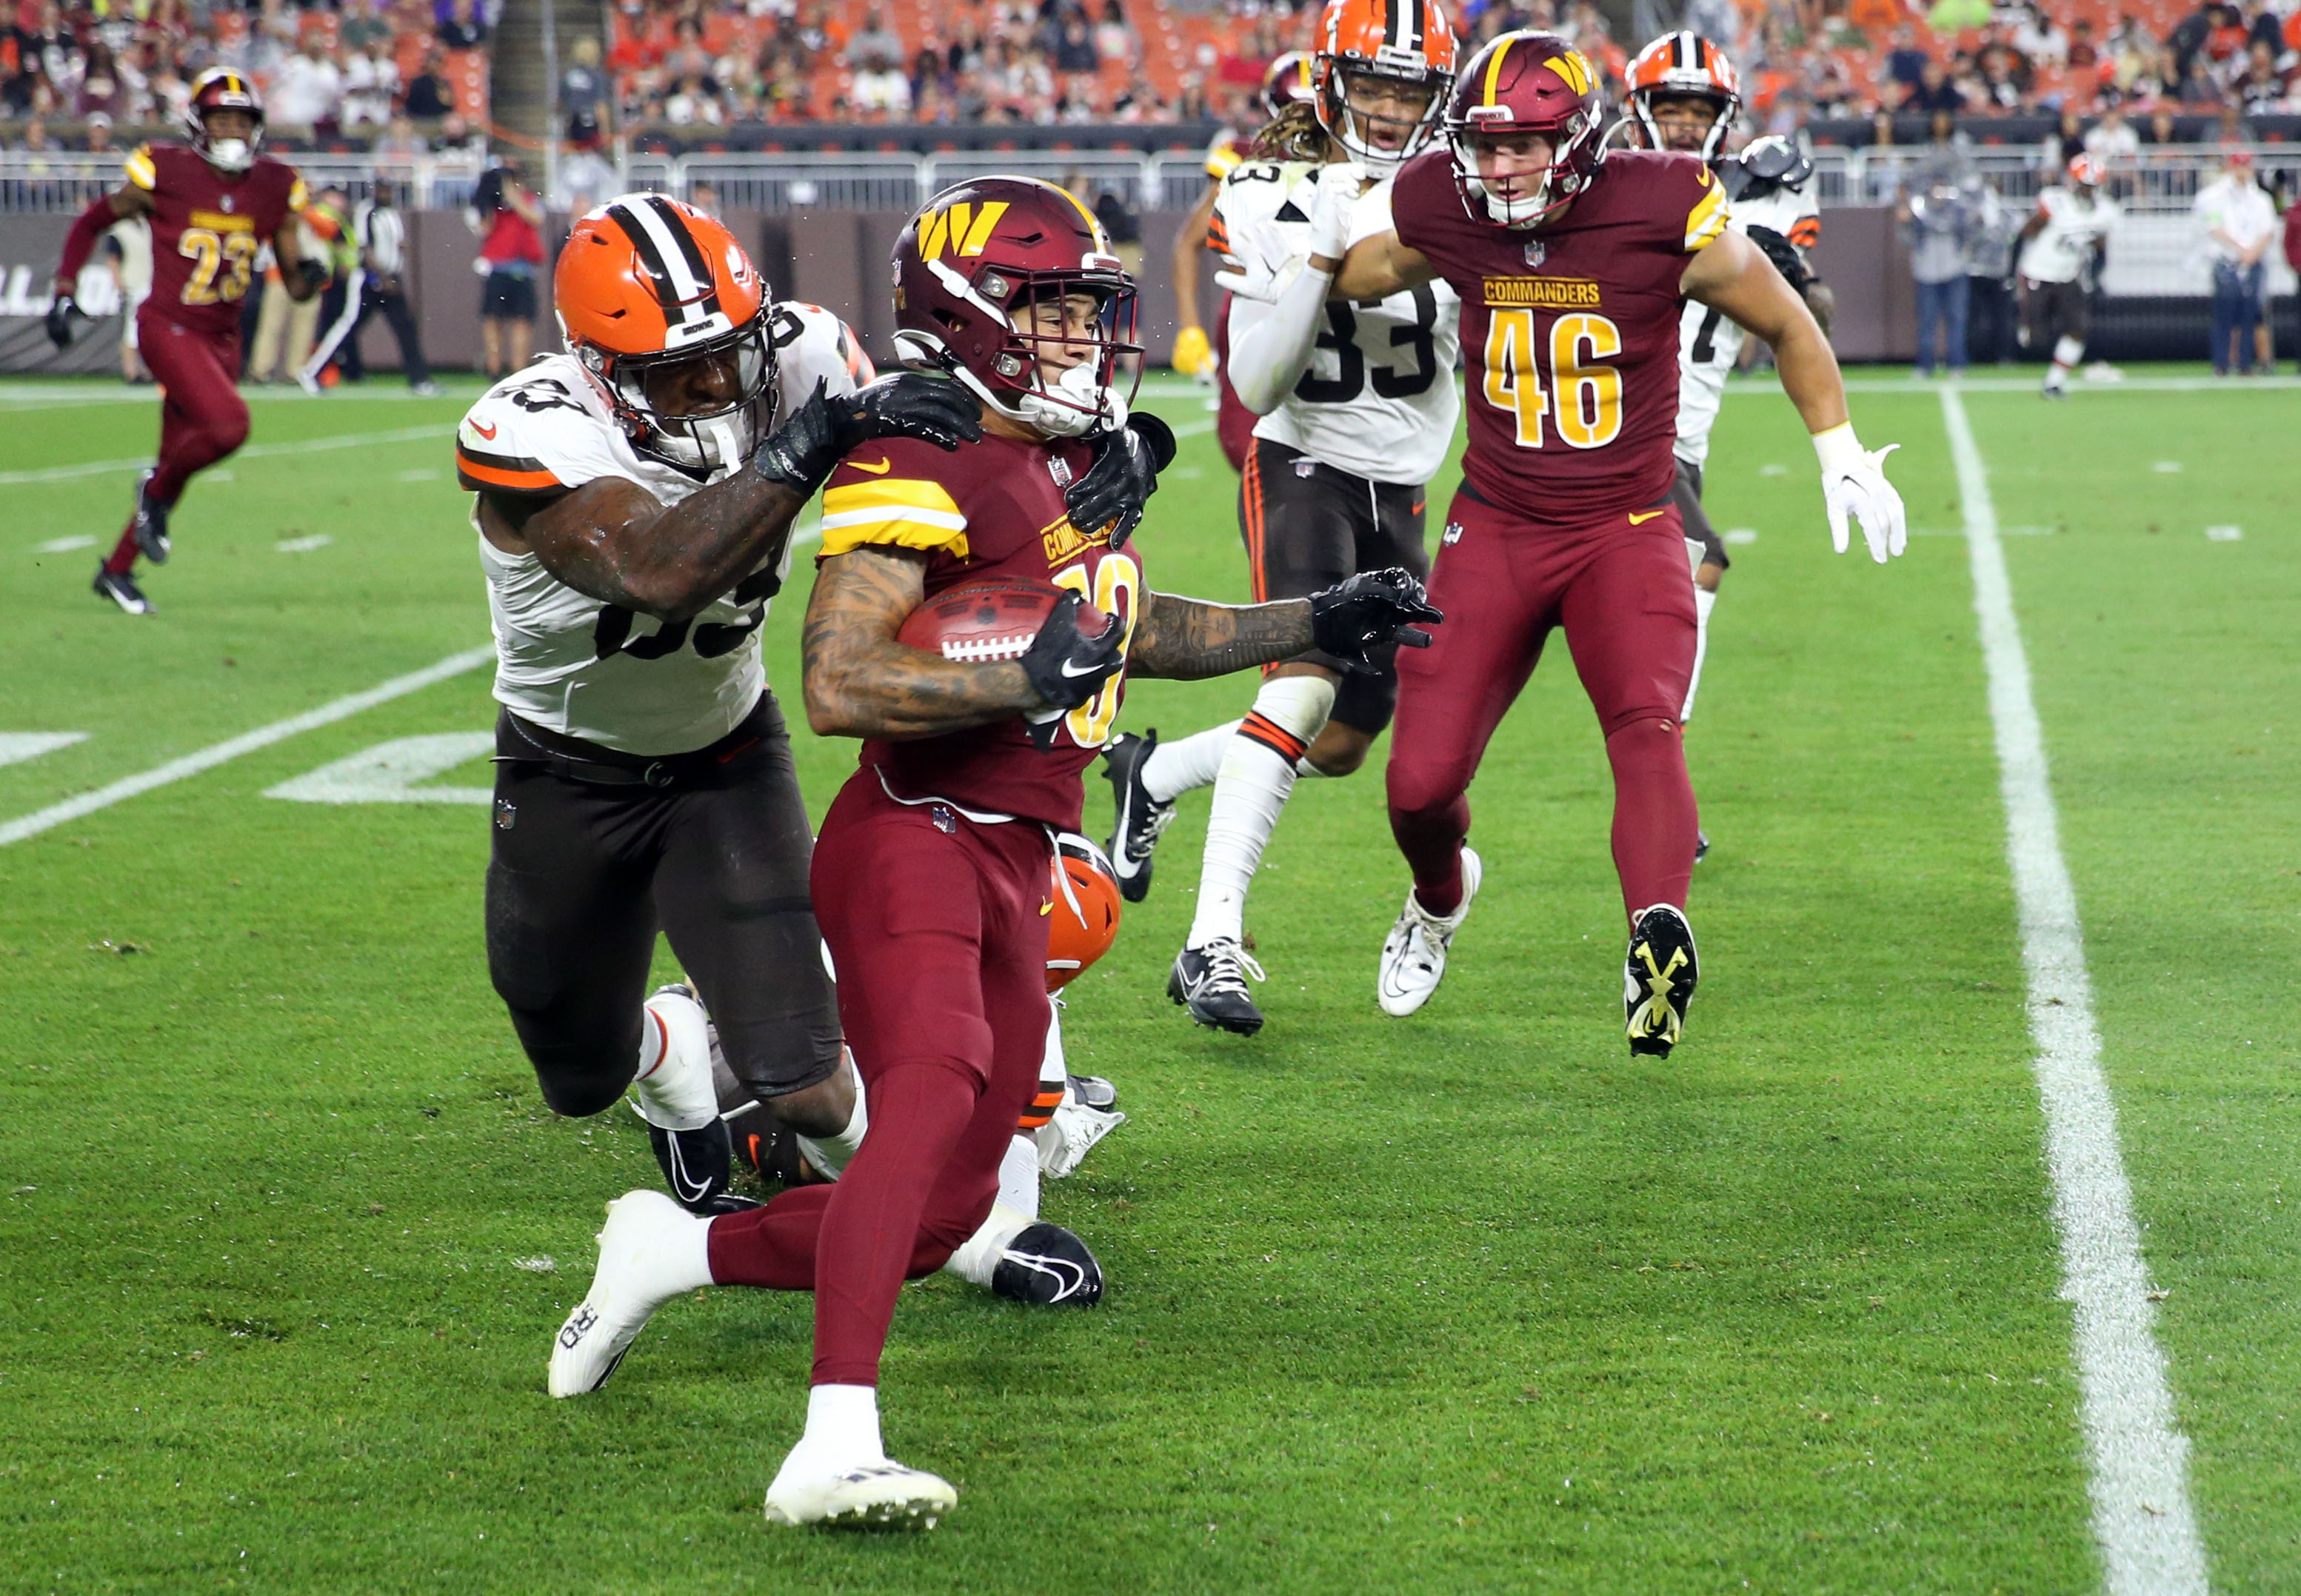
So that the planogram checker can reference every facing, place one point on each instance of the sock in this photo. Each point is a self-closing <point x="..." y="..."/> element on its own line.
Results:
<point x="1704" y="601"/>
<point x="831" y="1154"/>
<point x="978" y="1256"/>
<point x="123" y="558"/>
<point x="1174" y="768"/>
<point x="684" y="1263"/>
<point x="1656" y="823"/>
<point x="674" y="1084"/>
<point x="2067" y="352"/>
<point x="1018" y="1176"/>
<point x="1257" y="776"/>
<point x="1303" y="767"/>
<point x="842" y="1425"/>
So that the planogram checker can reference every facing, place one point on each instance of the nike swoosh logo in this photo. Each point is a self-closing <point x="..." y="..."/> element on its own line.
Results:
<point x="1090" y="671"/>
<point x="484" y="431"/>
<point x="1047" y="907"/>
<point x="1640" y="517"/>
<point x="879" y="470"/>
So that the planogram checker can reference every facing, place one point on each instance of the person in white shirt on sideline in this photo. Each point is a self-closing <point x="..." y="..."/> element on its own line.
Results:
<point x="2239" y="222"/>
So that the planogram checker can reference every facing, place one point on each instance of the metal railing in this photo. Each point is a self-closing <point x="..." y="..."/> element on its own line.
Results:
<point x="2163" y="178"/>
<point x="65" y="180"/>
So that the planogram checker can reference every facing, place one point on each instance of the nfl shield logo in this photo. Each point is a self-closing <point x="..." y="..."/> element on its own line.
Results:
<point x="1534" y="252"/>
<point x="1059" y="469"/>
<point x="227" y="203"/>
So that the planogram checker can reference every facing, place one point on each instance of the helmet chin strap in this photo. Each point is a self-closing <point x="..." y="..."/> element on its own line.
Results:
<point x="724" y="440"/>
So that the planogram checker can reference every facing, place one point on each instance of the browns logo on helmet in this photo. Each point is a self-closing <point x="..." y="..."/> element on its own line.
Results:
<point x="1287" y="82"/>
<point x="1381" y="74"/>
<point x="1011" y="286"/>
<point x="1084" y="921"/>
<point x="668" y="317"/>
<point x="2084" y="171"/>
<point x="220" y="88"/>
<point x="1684" y="65"/>
<point x="1519" y="83"/>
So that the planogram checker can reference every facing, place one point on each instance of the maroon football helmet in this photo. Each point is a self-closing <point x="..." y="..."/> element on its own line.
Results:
<point x="1526" y="82"/>
<point x="967" y="267"/>
<point x="220" y="88"/>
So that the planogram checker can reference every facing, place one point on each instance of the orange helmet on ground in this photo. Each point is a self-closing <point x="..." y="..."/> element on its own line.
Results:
<point x="1085" y="920"/>
<point x="668" y="317"/>
<point x="1405" y="45"/>
<point x="1684" y="64"/>
<point x="220" y="88"/>
<point x="1287" y="82"/>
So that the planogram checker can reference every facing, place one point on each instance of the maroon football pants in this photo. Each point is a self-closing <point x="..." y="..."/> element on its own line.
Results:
<point x="202" y="416"/>
<point x="937" y="931"/>
<point x="1624" y="597"/>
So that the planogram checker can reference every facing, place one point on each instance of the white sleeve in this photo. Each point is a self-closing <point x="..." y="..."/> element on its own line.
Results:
<point x="532" y="433"/>
<point x="812" y="344"/>
<point x="1271" y="344"/>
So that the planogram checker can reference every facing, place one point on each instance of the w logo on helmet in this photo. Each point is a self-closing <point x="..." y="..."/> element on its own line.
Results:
<point x="962" y="228"/>
<point x="1574" y="69"/>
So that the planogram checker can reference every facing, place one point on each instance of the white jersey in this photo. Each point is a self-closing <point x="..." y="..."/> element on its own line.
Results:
<point x="573" y="664"/>
<point x="1709" y="342"/>
<point x="2062" y="250"/>
<point x="1379" y="399"/>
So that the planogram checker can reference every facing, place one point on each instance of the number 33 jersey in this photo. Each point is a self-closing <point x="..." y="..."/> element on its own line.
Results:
<point x="1379" y="400"/>
<point x="571" y="663"/>
<point x="1569" y="331"/>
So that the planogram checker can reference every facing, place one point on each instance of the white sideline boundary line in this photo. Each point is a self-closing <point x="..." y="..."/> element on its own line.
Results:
<point x="254" y="451"/>
<point x="2138" y="1459"/>
<point x="247" y="743"/>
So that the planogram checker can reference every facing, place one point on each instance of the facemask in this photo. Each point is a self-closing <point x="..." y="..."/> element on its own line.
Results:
<point x="231" y="155"/>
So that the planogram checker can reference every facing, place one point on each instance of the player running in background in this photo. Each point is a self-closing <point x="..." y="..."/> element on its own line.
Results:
<point x="1573" y="265"/>
<point x="2061" y="244"/>
<point x="930" y="875"/>
<point x="213" y="203"/>
<point x="1356" y="405"/>
<point x="1684" y="95"/>
<point x="1197" y="353"/>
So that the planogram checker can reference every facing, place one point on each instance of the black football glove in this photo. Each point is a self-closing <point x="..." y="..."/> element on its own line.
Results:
<point x="60" y="325"/>
<point x="1784" y="254"/>
<point x="1360" y="614"/>
<point x="822" y="431"/>
<point x="1066" y="668"/>
<point x="1127" y="461"/>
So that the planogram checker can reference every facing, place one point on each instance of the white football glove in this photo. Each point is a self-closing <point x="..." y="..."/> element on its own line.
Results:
<point x="1339" y="187"/>
<point x="1854" y="483"/>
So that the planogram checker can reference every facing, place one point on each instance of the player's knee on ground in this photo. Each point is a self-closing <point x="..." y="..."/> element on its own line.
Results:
<point x="580" y="1079"/>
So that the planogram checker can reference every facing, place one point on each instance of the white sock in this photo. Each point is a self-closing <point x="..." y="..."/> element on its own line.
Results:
<point x="978" y="1256"/>
<point x="1257" y="774"/>
<point x="1303" y="767"/>
<point x="831" y="1154"/>
<point x="1018" y="1175"/>
<point x="1704" y="601"/>
<point x="674" y="1086"/>
<point x="2067" y="353"/>
<point x="684" y="1263"/>
<point x="1174" y="768"/>
<point x="842" y="1427"/>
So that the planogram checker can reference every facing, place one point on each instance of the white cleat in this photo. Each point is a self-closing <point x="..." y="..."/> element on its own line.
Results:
<point x="647" y="1253"/>
<point x="866" y="1496"/>
<point x="1414" y="954"/>
<point x="1070" y="1133"/>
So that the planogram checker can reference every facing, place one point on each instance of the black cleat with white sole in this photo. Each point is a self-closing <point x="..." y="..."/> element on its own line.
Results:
<point x="151" y="524"/>
<point x="121" y="588"/>
<point x="1658" y="980"/>
<point x="1210" y="981"/>
<point x="1048" y="1266"/>
<point x="1140" y="817"/>
<point x="698" y="1166"/>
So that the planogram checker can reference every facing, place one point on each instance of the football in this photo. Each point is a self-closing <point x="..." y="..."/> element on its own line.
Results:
<point x="979" y="621"/>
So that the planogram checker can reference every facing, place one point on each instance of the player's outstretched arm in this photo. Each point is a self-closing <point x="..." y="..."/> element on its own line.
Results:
<point x="860" y="681"/>
<point x="1732" y="275"/>
<point x="1189" y="639"/>
<point x="124" y="202"/>
<point x="1379" y="266"/>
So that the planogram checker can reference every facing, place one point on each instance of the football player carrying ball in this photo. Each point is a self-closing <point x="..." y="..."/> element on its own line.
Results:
<point x="931" y="874"/>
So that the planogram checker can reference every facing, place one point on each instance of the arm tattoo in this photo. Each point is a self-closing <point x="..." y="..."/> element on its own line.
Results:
<point x="614" y="540"/>
<point x="1186" y="639"/>
<point x="861" y="683"/>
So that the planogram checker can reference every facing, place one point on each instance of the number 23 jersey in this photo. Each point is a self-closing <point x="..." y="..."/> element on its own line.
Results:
<point x="578" y="665"/>
<point x="208" y="229"/>
<point x="1569" y="331"/>
<point x="1379" y="400"/>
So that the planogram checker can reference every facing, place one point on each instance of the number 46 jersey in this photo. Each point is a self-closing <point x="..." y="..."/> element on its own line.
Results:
<point x="1379" y="400"/>
<point x="573" y="664"/>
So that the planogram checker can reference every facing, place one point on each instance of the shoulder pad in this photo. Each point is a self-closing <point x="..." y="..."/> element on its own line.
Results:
<point x="813" y="345"/>
<point x="532" y="434"/>
<point x="1765" y="164"/>
<point x="142" y="170"/>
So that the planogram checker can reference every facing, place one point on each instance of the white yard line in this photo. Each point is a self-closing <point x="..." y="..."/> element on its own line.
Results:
<point x="247" y="743"/>
<point x="254" y="451"/>
<point x="2139" y="1457"/>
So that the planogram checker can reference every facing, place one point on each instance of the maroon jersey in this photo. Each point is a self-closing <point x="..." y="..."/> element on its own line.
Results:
<point x="988" y="510"/>
<point x="207" y="227"/>
<point x="1569" y="331"/>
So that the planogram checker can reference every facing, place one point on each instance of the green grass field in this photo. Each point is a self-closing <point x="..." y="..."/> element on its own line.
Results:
<point x="1467" y="1302"/>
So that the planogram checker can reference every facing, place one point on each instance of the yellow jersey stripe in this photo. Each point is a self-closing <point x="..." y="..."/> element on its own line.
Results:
<point x="879" y="515"/>
<point x="898" y="492"/>
<point x="910" y="532"/>
<point x="139" y="167"/>
<point x="1707" y="220"/>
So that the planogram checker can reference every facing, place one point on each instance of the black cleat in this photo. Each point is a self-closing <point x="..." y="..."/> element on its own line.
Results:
<point x="1095" y="1092"/>
<point x="121" y="588"/>
<point x="1210" y="981"/>
<point x="1700" y="845"/>
<point x="1658" y="980"/>
<point x="150" y="522"/>
<point x="1048" y="1266"/>
<point x="1140" y="817"/>
<point x="698" y="1167"/>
